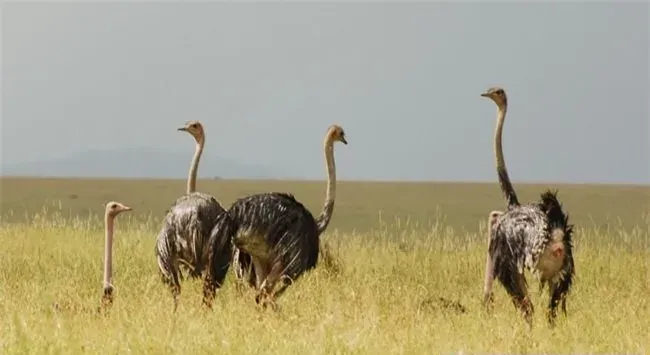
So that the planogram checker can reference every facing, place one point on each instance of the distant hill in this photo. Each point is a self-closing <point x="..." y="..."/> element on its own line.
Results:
<point x="137" y="163"/>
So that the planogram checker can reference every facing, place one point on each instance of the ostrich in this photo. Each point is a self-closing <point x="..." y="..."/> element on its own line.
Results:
<point x="112" y="210"/>
<point x="534" y="236"/>
<point x="280" y="235"/>
<point x="492" y="220"/>
<point x="187" y="225"/>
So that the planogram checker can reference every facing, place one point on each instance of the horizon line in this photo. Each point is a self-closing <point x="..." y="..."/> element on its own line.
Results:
<point x="294" y="179"/>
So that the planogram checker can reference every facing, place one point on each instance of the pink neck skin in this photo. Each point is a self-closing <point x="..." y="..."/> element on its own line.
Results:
<point x="108" y="251"/>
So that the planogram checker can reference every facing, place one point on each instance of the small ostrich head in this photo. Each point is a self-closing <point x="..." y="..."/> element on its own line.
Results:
<point x="336" y="133"/>
<point x="498" y="95"/>
<point x="494" y="216"/>
<point x="114" y="208"/>
<point x="195" y="128"/>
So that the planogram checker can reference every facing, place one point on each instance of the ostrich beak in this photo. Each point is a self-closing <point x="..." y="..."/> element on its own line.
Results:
<point x="485" y="94"/>
<point x="344" y="141"/>
<point x="182" y="129"/>
<point x="127" y="208"/>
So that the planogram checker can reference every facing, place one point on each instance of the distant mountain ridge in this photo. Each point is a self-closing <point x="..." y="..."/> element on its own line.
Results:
<point x="136" y="163"/>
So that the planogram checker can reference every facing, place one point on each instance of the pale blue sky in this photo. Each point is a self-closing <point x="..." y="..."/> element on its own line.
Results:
<point x="404" y="81"/>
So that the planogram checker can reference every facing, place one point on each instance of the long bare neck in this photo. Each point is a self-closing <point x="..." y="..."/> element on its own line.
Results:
<point x="194" y="167"/>
<point x="330" y="194"/>
<point x="108" y="251"/>
<point x="504" y="180"/>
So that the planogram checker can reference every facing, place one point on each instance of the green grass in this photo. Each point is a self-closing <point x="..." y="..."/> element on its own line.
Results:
<point x="427" y="242"/>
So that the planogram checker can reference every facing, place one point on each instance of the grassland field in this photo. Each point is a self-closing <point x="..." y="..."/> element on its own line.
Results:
<point x="398" y="248"/>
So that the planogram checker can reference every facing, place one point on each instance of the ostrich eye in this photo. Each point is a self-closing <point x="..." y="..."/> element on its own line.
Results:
<point x="113" y="206"/>
<point x="194" y="125"/>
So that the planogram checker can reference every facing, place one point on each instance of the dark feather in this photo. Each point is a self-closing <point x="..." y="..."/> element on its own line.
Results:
<point x="521" y="235"/>
<point x="183" y="239"/>
<point x="270" y="226"/>
<point x="557" y="218"/>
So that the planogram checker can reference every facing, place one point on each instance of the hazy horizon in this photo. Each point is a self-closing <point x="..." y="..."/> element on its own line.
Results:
<point x="104" y="80"/>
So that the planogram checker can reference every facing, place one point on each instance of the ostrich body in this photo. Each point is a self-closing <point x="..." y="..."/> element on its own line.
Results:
<point x="535" y="236"/>
<point x="277" y="232"/>
<point x="186" y="229"/>
<point x="112" y="210"/>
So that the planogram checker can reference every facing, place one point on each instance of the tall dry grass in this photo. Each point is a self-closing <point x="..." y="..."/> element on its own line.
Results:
<point x="401" y="289"/>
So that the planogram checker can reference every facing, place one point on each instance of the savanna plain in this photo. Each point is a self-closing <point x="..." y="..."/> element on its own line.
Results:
<point x="403" y="274"/>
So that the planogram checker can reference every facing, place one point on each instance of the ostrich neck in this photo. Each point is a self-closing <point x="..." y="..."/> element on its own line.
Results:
<point x="108" y="250"/>
<point x="330" y="193"/>
<point x="504" y="180"/>
<point x="194" y="167"/>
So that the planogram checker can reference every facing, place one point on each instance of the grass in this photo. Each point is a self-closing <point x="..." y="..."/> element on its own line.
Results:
<point x="428" y="242"/>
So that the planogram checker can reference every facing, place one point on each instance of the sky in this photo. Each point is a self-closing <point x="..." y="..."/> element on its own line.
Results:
<point x="403" y="80"/>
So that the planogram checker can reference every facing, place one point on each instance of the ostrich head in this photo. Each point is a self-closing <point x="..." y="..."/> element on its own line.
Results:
<point x="195" y="128"/>
<point x="336" y="133"/>
<point x="494" y="217"/>
<point x="114" y="208"/>
<point x="498" y="95"/>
